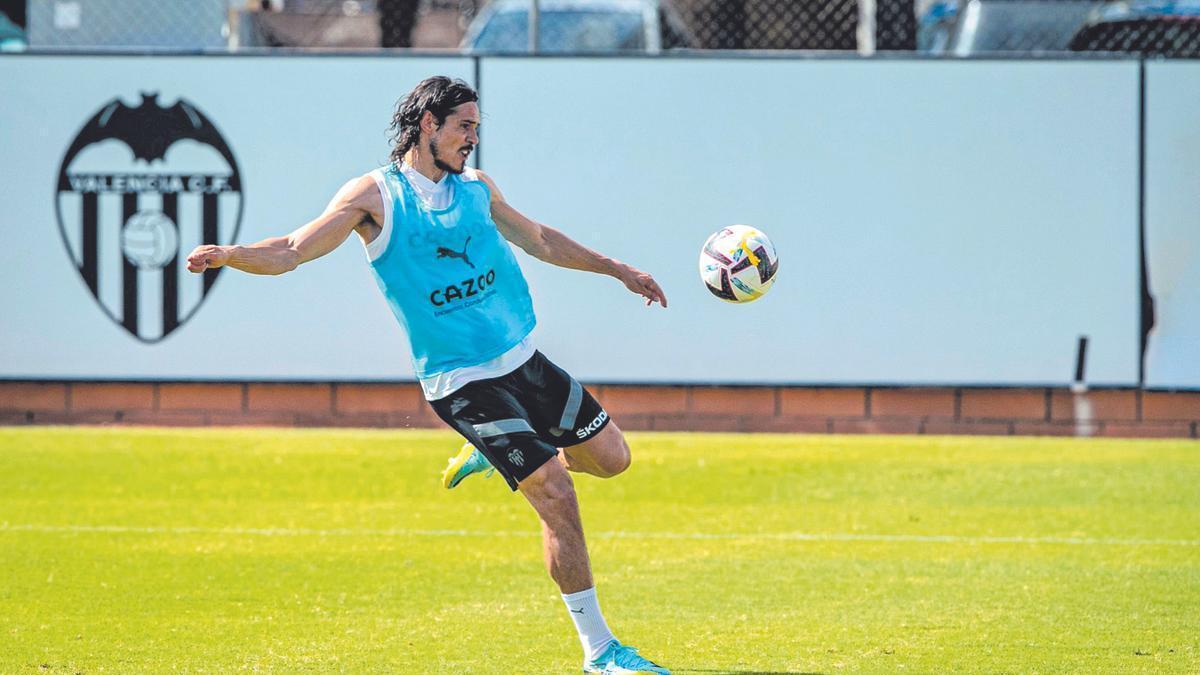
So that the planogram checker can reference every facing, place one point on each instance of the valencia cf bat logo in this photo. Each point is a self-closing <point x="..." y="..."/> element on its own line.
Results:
<point x="139" y="186"/>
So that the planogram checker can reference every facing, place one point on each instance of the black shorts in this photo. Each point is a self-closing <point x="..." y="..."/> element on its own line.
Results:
<point x="519" y="420"/>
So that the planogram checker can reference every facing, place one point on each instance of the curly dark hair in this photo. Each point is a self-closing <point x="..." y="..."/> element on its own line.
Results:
<point x="438" y="95"/>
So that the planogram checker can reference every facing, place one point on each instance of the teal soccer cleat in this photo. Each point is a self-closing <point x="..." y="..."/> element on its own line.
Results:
<point x="619" y="659"/>
<point x="466" y="462"/>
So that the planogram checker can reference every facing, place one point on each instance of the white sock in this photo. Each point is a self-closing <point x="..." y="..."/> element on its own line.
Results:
<point x="594" y="634"/>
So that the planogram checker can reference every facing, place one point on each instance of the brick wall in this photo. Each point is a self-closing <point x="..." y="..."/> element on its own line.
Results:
<point x="889" y="410"/>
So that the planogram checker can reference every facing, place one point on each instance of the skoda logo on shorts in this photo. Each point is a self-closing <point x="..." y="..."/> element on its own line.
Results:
<point x="139" y="186"/>
<point x="515" y="457"/>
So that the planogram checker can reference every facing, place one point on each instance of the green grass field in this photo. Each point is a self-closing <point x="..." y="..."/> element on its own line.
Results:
<point x="126" y="551"/>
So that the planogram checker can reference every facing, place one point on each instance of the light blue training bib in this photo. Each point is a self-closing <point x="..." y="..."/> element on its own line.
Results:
<point x="449" y="276"/>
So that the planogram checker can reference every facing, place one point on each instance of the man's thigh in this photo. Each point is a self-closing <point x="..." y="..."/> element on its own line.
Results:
<point x="607" y="450"/>
<point x="491" y="419"/>
<point x="564" y="413"/>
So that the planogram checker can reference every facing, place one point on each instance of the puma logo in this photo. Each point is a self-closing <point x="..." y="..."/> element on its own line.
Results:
<point x="443" y="252"/>
<point x="579" y="611"/>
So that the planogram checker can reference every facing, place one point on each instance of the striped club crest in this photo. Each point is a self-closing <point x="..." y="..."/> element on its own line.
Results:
<point x="138" y="188"/>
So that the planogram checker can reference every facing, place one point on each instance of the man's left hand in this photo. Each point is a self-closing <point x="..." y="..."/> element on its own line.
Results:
<point x="644" y="285"/>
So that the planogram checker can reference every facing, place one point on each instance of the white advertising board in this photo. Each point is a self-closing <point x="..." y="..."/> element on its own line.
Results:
<point x="297" y="127"/>
<point x="1173" y="222"/>
<point x="937" y="222"/>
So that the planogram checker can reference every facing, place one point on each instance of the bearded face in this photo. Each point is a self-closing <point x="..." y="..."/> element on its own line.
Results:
<point x="456" y="138"/>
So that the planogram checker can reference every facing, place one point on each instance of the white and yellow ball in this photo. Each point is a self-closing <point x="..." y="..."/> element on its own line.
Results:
<point x="738" y="264"/>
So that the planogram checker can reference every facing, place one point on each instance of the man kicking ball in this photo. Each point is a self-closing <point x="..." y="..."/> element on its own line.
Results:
<point x="437" y="237"/>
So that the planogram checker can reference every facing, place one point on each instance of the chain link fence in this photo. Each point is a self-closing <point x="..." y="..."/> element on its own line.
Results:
<point x="936" y="27"/>
<point x="1048" y="27"/>
<point x="83" y="24"/>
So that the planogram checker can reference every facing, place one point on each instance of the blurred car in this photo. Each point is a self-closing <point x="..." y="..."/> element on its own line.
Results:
<point x="1148" y="28"/>
<point x="12" y="38"/>
<point x="975" y="27"/>
<point x="578" y="26"/>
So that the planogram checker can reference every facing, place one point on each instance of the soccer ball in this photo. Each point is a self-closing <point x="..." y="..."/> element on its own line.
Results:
<point x="738" y="264"/>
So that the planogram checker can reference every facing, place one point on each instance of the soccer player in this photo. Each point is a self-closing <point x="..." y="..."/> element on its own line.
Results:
<point x="437" y="235"/>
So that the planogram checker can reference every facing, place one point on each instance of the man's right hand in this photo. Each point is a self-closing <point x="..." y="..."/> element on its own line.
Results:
<point x="208" y="257"/>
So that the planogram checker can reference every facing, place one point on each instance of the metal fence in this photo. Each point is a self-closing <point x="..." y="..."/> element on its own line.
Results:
<point x="935" y="27"/>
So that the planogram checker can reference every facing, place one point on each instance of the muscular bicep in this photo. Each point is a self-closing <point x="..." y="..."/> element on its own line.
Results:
<point x="350" y="207"/>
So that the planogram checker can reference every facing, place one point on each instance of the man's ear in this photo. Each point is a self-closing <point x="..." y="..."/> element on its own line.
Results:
<point x="429" y="123"/>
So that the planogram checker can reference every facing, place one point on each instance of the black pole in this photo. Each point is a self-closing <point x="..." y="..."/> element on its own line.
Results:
<point x="397" y="18"/>
<point x="1145" y="299"/>
<point x="1081" y="359"/>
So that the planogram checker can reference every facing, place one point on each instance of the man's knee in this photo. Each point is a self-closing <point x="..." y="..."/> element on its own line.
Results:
<point x="616" y="458"/>
<point x="549" y="486"/>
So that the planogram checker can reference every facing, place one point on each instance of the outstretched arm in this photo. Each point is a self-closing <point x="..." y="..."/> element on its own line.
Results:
<point x="550" y="245"/>
<point x="356" y="204"/>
